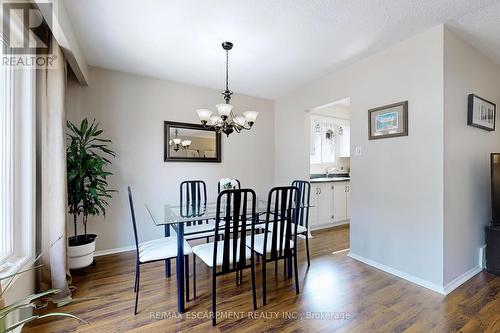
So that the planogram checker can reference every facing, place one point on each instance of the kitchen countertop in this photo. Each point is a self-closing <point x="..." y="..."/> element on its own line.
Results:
<point x="330" y="179"/>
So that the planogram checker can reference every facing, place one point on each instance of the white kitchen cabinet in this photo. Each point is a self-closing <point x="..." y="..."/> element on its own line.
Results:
<point x="322" y="200"/>
<point x="313" y="211"/>
<point x="330" y="201"/>
<point x="339" y="202"/>
<point x="325" y="204"/>
<point x="348" y="201"/>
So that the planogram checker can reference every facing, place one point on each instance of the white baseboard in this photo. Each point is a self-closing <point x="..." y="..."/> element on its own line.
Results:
<point x="458" y="281"/>
<point x="329" y="225"/>
<point x="421" y="282"/>
<point x="113" y="251"/>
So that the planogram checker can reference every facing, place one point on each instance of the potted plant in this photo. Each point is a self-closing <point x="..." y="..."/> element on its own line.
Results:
<point x="87" y="158"/>
<point x="228" y="183"/>
<point x="20" y="312"/>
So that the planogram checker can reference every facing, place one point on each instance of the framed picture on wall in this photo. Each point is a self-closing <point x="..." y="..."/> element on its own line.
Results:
<point x="388" y="121"/>
<point x="481" y="113"/>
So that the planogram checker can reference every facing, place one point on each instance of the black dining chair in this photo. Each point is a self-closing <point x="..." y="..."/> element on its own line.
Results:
<point x="193" y="201"/>
<point x="303" y="218"/>
<point x="154" y="250"/>
<point x="279" y="241"/>
<point x="233" y="254"/>
<point x="219" y="188"/>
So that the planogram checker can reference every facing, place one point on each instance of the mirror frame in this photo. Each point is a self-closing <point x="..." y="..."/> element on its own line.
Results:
<point x="166" y="139"/>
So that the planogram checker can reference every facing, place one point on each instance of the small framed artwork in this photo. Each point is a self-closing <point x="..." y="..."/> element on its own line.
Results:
<point x="388" y="121"/>
<point x="481" y="113"/>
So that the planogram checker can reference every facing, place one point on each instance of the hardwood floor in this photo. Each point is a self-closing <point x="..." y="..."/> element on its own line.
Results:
<point x="337" y="294"/>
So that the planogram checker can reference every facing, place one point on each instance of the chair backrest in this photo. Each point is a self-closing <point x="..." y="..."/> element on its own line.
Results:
<point x="238" y="186"/>
<point x="282" y="212"/>
<point x="235" y="213"/>
<point x="304" y="200"/>
<point x="193" y="197"/>
<point x="132" y="213"/>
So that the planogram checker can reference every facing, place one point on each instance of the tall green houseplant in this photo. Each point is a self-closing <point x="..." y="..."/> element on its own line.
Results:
<point x="87" y="160"/>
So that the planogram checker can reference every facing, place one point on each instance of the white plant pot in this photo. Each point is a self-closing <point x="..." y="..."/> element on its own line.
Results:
<point x="81" y="256"/>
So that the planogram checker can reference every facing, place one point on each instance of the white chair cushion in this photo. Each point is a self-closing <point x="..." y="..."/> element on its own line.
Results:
<point x="259" y="243"/>
<point x="162" y="248"/>
<point x="206" y="252"/>
<point x="300" y="229"/>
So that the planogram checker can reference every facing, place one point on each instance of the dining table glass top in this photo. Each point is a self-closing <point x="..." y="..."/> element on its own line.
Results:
<point x="165" y="214"/>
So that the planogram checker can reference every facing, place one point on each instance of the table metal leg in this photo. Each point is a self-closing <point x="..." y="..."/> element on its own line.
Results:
<point x="168" y="269"/>
<point x="289" y="266"/>
<point x="180" y="268"/>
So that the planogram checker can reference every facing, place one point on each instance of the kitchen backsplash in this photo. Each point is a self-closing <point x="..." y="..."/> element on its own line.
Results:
<point x="342" y="164"/>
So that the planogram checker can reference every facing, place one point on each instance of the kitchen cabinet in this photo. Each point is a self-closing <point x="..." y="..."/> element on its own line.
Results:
<point x="330" y="201"/>
<point x="322" y="199"/>
<point x="339" y="202"/>
<point x="348" y="202"/>
<point x="313" y="210"/>
<point x="325" y="204"/>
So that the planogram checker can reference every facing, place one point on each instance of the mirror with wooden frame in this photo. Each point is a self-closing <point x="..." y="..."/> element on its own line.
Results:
<point x="184" y="142"/>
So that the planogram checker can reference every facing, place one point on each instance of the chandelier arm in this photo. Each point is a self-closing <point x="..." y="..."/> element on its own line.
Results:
<point x="214" y="125"/>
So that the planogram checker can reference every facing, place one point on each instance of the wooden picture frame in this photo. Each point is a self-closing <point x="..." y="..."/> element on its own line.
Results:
<point x="168" y="156"/>
<point x="388" y="121"/>
<point x="481" y="113"/>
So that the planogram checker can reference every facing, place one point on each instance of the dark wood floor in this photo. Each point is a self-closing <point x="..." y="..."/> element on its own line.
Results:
<point x="339" y="293"/>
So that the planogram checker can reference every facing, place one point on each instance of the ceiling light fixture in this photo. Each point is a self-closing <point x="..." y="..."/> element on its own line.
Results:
<point x="178" y="143"/>
<point x="226" y="121"/>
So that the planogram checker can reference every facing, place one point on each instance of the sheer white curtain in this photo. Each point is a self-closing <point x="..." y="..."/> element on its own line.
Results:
<point x="51" y="86"/>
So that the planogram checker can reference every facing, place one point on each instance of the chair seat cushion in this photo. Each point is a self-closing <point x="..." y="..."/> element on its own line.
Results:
<point x="162" y="248"/>
<point x="259" y="243"/>
<point x="206" y="252"/>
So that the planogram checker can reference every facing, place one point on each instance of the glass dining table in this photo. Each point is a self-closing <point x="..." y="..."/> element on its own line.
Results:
<point x="177" y="216"/>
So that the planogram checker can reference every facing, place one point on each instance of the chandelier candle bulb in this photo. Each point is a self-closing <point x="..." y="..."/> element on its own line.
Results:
<point x="224" y="109"/>
<point x="250" y="116"/>
<point x="204" y="115"/>
<point x="240" y="120"/>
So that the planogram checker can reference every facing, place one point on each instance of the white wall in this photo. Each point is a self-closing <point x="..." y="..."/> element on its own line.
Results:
<point x="397" y="183"/>
<point x="467" y="151"/>
<point x="131" y="109"/>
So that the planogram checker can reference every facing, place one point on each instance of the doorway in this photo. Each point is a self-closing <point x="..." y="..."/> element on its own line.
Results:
<point x="329" y="165"/>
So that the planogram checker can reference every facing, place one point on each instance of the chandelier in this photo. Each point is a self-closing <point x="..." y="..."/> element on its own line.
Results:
<point x="226" y="121"/>
<point x="178" y="143"/>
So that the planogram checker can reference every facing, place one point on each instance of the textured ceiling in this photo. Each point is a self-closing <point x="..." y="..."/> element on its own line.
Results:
<point x="280" y="45"/>
<point x="482" y="29"/>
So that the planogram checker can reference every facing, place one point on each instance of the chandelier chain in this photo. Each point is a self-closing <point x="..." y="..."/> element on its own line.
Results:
<point x="227" y="70"/>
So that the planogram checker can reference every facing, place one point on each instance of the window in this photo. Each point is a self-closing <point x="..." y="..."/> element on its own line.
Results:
<point x="323" y="140"/>
<point x="17" y="166"/>
<point x="6" y="164"/>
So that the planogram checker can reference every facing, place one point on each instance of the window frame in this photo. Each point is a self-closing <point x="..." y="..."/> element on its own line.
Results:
<point x="23" y="182"/>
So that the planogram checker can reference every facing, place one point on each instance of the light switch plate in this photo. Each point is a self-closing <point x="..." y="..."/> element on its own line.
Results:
<point x="358" y="150"/>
